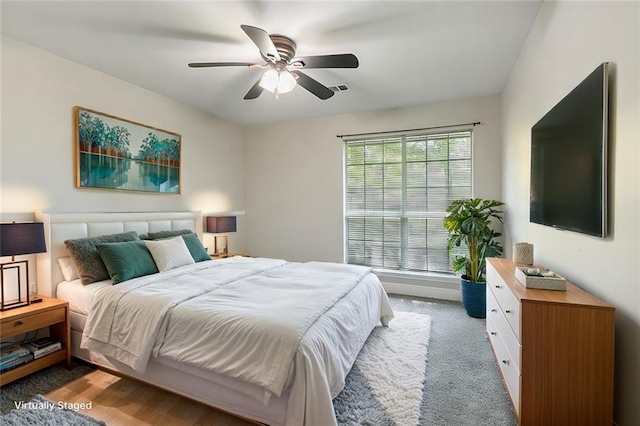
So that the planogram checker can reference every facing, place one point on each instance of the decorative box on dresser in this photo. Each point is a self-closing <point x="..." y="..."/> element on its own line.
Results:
<point x="555" y="350"/>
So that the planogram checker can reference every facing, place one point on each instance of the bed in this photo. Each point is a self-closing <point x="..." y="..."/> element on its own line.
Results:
<point x="320" y="346"/>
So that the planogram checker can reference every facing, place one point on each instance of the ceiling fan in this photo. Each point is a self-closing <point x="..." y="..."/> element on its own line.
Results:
<point x="283" y="68"/>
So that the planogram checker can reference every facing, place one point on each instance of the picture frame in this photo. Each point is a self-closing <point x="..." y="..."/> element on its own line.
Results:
<point x="118" y="154"/>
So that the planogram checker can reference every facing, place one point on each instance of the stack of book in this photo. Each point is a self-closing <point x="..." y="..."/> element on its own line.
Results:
<point x="42" y="347"/>
<point x="14" y="355"/>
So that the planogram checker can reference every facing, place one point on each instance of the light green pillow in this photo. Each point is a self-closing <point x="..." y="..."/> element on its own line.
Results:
<point x="127" y="260"/>
<point x="197" y="250"/>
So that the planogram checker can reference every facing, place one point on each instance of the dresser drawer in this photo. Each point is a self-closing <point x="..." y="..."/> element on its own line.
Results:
<point x="510" y="373"/>
<point x="507" y="301"/>
<point x="500" y="327"/>
<point x="14" y="326"/>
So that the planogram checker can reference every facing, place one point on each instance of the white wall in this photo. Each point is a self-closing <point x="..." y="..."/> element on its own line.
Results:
<point x="39" y="91"/>
<point x="295" y="173"/>
<point x="568" y="40"/>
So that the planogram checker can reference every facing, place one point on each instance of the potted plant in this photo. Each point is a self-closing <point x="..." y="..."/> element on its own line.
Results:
<point x="469" y="224"/>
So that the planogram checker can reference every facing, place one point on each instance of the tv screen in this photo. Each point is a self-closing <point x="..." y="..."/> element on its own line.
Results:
<point x="569" y="159"/>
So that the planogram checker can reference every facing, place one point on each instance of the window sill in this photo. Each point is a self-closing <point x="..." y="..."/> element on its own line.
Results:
<point x="427" y="284"/>
<point x="417" y="276"/>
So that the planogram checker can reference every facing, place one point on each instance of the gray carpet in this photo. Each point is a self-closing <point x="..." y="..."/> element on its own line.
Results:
<point x="42" y="382"/>
<point x="43" y="411"/>
<point x="462" y="384"/>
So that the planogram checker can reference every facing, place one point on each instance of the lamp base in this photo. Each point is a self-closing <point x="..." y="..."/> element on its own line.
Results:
<point x="15" y="267"/>
<point x="13" y="305"/>
<point x="220" y="244"/>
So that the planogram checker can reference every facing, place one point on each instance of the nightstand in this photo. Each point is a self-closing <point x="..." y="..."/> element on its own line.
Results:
<point x="52" y="313"/>
<point x="224" y="256"/>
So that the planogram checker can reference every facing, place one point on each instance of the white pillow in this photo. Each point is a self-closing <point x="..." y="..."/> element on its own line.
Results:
<point x="170" y="253"/>
<point x="68" y="268"/>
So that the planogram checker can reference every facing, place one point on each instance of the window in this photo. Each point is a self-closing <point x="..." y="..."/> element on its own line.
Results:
<point x="397" y="190"/>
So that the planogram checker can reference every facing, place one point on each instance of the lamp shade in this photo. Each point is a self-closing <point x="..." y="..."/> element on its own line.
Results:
<point x="219" y="224"/>
<point x="21" y="238"/>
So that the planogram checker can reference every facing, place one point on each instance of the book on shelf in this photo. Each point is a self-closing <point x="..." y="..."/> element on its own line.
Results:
<point x="42" y="347"/>
<point x="11" y="351"/>
<point x="16" y="362"/>
<point x="42" y="342"/>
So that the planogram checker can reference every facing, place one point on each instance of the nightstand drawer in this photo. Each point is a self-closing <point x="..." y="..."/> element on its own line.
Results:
<point x="14" y="326"/>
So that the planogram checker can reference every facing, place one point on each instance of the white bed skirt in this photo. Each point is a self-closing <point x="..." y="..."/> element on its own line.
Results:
<point x="189" y="384"/>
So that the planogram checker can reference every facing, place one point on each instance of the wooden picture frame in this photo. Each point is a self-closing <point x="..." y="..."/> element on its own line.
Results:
<point x="120" y="154"/>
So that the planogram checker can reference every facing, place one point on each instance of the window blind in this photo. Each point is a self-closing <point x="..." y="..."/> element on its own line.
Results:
<point x="397" y="190"/>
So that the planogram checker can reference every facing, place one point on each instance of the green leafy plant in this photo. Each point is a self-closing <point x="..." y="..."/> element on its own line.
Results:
<point x="469" y="223"/>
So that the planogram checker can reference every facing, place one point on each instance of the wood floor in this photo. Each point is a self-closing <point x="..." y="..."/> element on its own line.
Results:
<point x="123" y="401"/>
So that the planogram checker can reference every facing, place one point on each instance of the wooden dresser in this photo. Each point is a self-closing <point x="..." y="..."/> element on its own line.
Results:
<point x="555" y="350"/>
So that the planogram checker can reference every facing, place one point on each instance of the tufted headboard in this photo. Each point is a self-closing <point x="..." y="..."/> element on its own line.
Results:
<point x="59" y="227"/>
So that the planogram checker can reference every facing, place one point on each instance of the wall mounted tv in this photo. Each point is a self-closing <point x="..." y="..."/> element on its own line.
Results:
<point x="569" y="160"/>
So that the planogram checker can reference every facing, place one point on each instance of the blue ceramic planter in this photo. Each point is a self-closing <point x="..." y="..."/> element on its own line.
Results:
<point x="474" y="298"/>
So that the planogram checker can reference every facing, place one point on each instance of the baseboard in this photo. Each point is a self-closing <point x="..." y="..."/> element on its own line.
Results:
<point x="422" y="291"/>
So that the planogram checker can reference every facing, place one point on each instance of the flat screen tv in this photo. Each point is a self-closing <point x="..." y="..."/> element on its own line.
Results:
<point x="569" y="160"/>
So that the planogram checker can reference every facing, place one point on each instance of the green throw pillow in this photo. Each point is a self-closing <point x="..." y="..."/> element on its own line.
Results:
<point x="196" y="248"/>
<point x="127" y="260"/>
<point x="85" y="255"/>
<point x="161" y="235"/>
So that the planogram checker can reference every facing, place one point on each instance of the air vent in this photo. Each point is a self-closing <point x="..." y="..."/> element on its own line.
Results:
<point x="343" y="87"/>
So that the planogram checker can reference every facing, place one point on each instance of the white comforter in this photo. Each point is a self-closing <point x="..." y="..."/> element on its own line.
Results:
<point x="243" y="319"/>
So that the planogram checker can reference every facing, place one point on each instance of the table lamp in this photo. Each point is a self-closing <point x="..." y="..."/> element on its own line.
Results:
<point x="219" y="225"/>
<point x="18" y="239"/>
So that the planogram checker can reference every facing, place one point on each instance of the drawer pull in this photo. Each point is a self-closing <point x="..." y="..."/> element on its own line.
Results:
<point x="19" y="322"/>
<point x="494" y="310"/>
<point x="506" y="362"/>
<point x="493" y="333"/>
<point x="508" y="311"/>
<point x="498" y="286"/>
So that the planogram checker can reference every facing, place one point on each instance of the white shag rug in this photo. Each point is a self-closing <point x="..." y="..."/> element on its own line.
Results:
<point x="385" y="386"/>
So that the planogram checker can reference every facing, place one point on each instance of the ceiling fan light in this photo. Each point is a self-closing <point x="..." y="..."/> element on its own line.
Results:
<point x="270" y="80"/>
<point x="287" y="82"/>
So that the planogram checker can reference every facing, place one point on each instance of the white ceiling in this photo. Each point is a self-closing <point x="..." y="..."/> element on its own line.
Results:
<point x="410" y="53"/>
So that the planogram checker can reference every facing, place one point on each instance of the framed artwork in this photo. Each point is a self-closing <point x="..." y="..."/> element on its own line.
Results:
<point x="116" y="153"/>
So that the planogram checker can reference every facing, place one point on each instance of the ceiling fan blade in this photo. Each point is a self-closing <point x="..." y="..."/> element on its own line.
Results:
<point x="318" y="89"/>
<point x="221" y="64"/>
<point x="345" y="60"/>
<point x="255" y="91"/>
<point x="261" y="39"/>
